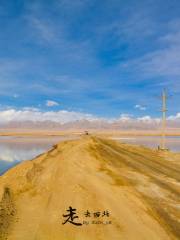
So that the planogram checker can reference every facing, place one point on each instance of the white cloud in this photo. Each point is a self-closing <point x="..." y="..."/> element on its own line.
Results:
<point x="174" y="118"/>
<point x="10" y="153"/>
<point x="140" y="107"/>
<point x="148" y="119"/>
<point x="125" y="121"/>
<point x="31" y="114"/>
<point x="42" y="28"/>
<point x="125" y="117"/>
<point x="50" y="103"/>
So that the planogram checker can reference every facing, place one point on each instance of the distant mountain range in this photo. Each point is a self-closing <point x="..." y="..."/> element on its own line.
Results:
<point x="130" y="124"/>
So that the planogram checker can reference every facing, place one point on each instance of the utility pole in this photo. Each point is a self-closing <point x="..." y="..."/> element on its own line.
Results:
<point x="163" y="131"/>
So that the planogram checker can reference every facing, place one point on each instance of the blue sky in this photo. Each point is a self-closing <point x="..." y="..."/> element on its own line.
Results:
<point x="105" y="58"/>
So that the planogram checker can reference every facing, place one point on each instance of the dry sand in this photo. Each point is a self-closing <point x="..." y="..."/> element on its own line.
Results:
<point x="139" y="187"/>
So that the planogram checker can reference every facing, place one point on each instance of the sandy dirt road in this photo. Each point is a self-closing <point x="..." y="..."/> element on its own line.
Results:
<point x="139" y="187"/>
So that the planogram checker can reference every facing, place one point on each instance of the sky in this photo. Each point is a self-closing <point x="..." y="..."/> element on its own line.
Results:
<point x="88" y="59"/>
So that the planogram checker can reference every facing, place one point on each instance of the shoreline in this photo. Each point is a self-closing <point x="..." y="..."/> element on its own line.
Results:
<point x="46" y="133"/>
<point x="134" y="140"/>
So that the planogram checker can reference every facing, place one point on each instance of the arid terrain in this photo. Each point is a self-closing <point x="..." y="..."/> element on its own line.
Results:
<point x="76" y="132"/>
<point x="139" y="187"/>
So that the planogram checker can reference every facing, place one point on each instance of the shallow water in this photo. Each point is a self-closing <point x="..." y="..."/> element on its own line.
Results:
<point x="172" y="143"/>
<point x="16" y="149"/>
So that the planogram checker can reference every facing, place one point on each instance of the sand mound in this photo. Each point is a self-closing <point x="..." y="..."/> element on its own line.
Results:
<point x="129" y="192"/>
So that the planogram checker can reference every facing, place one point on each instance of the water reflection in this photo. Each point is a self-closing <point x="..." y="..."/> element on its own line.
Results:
<point x="16" y="149"/>
<point x="172" y="143"/>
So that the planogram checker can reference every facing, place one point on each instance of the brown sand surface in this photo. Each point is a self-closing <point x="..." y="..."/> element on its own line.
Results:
<point x="139" y="187"/>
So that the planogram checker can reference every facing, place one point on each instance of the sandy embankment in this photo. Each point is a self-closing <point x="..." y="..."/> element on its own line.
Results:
<point x="138" y="187"/>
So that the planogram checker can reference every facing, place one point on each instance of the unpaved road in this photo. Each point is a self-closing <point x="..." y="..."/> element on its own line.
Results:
<point x="139" y="187"/>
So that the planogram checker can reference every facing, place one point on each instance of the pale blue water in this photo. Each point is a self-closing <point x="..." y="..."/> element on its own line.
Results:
<point x="16" y="149"/>
<point x="172" y="143"/>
